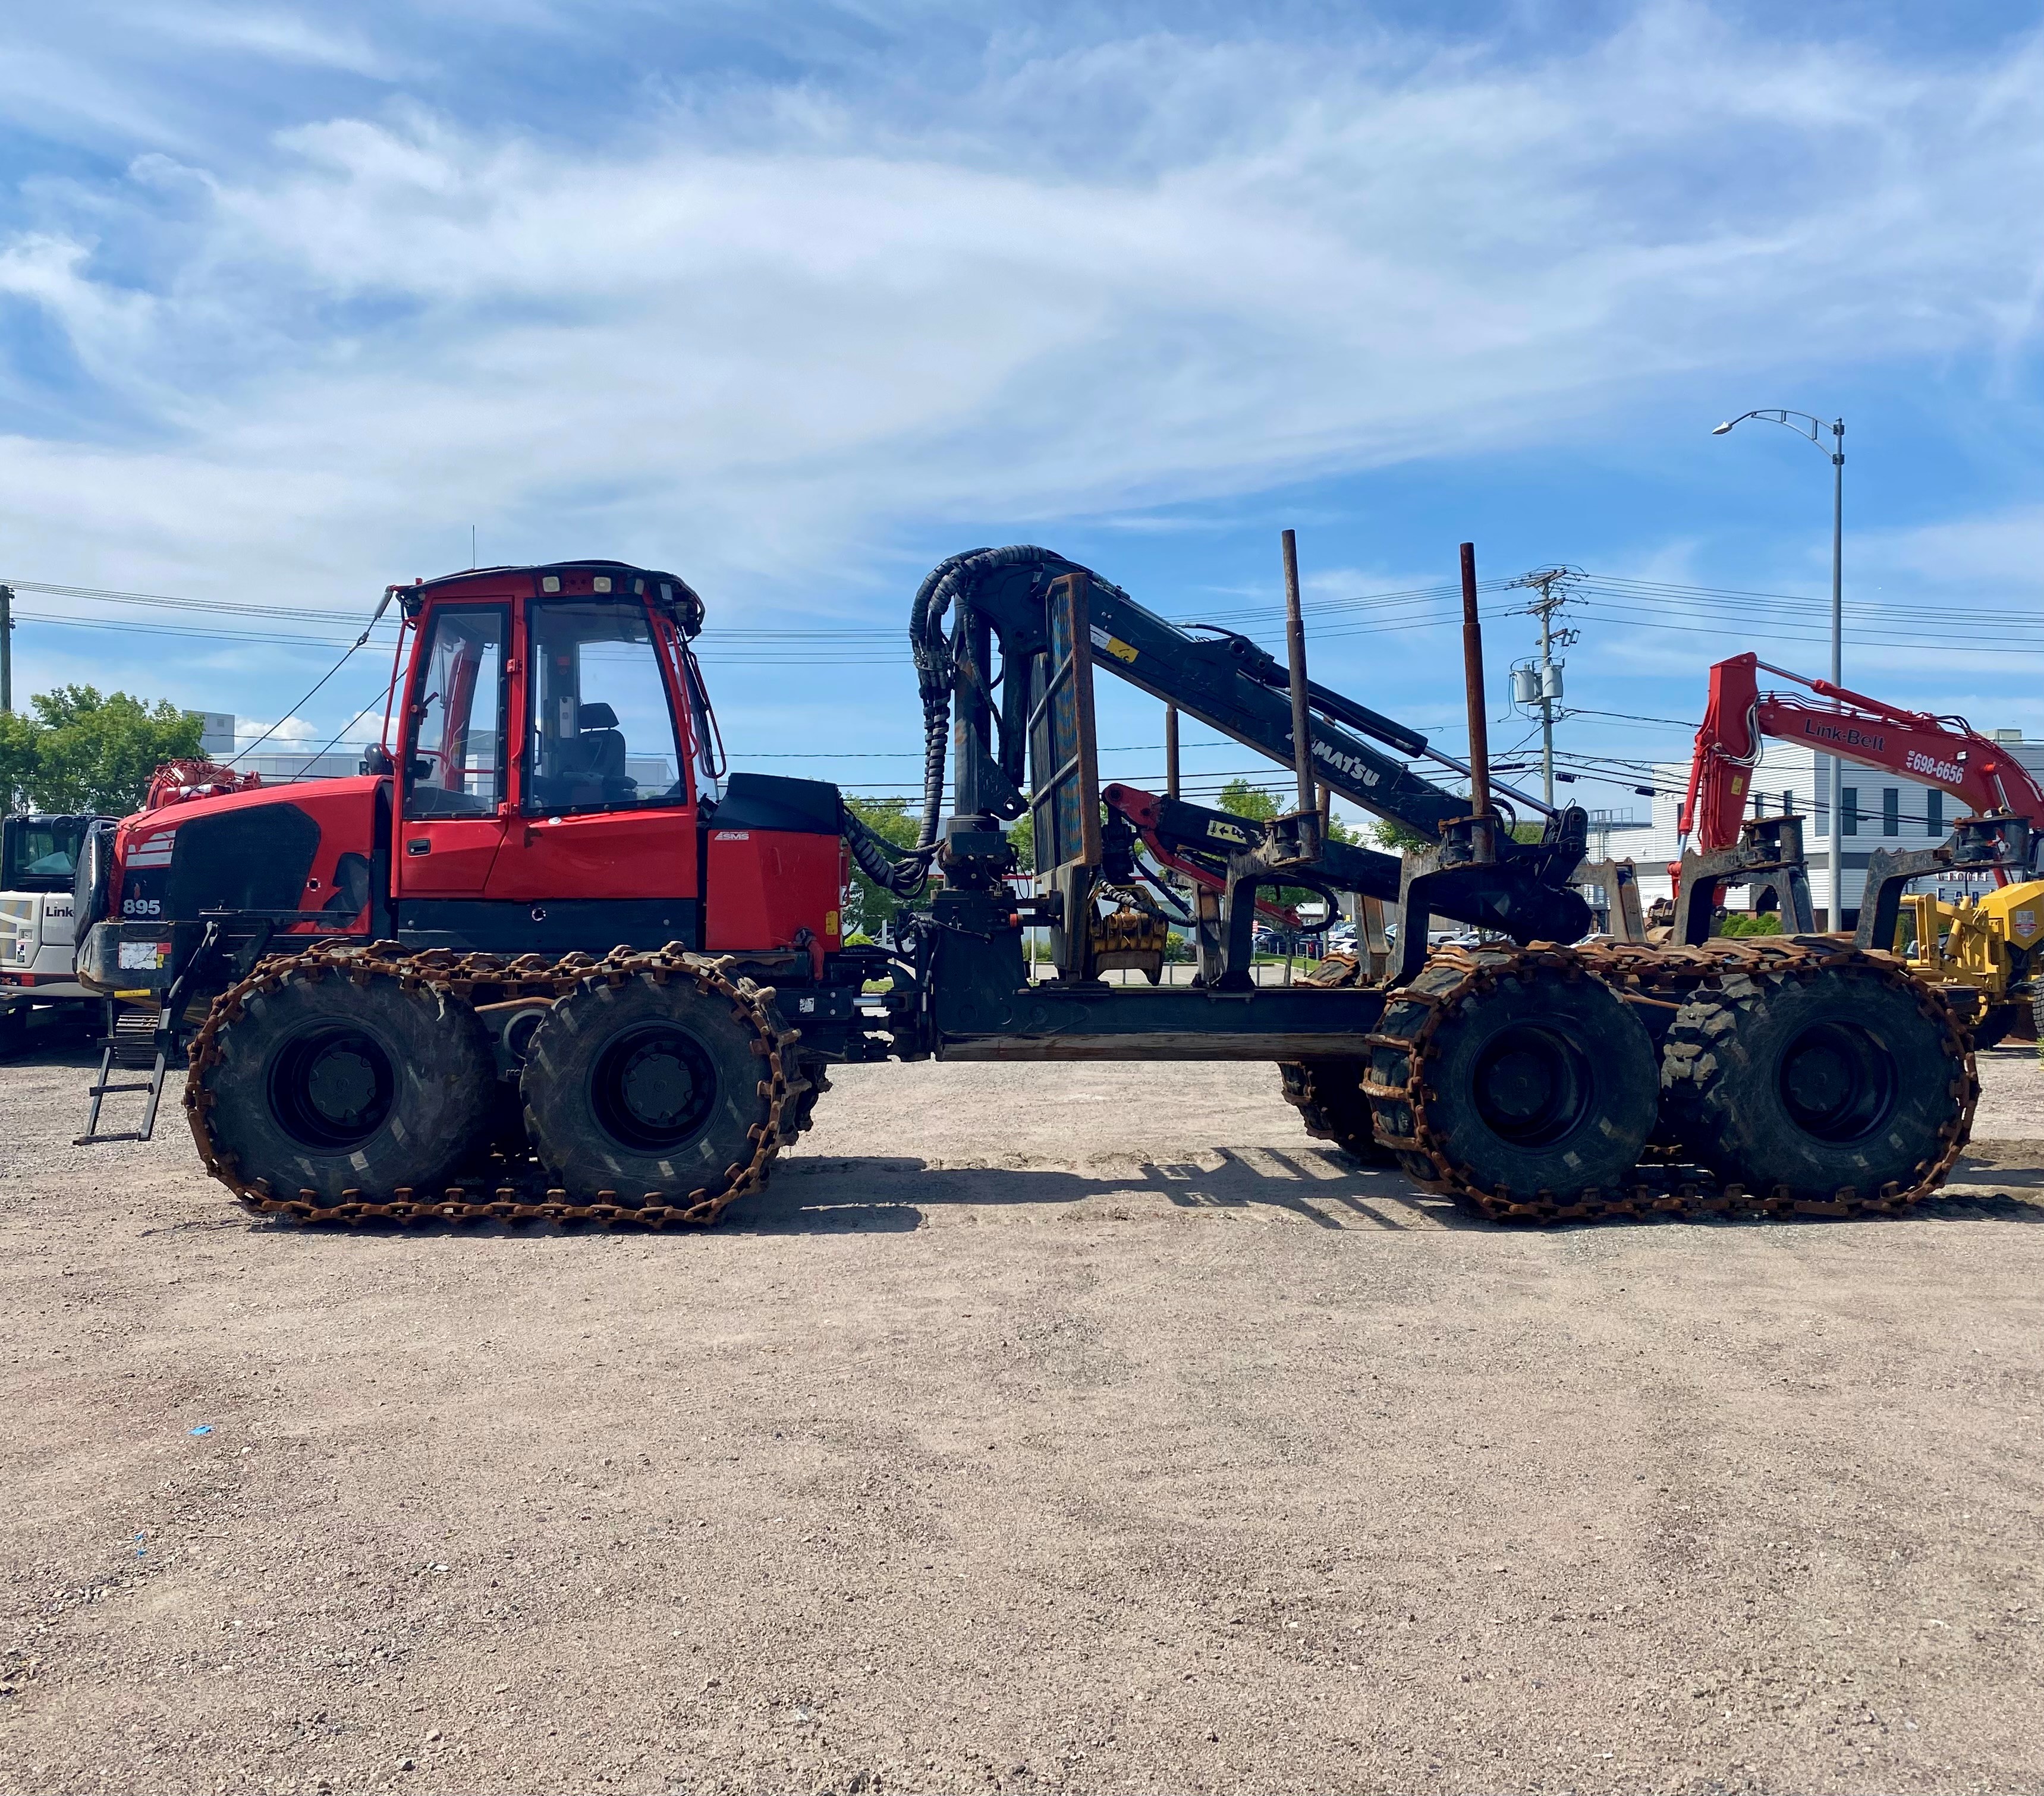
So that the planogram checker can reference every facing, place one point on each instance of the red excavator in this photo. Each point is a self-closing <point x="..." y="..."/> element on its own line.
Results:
<point x="1983" y="955"/>
<point x="1944" y="752"/>
<point x="541" y="957"/>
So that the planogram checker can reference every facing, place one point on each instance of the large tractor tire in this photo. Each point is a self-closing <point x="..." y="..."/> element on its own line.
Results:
<point x="1827" y="1087"/>
<point x="342" y="1087"/>
<point x="1517" y="1081"/>
<point x="654" y="1091"/>
<point x="1329" y="1095"/>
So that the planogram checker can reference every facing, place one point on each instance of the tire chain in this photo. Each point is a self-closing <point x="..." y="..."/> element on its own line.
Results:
<point x="1640" y="974"/>
<point x="1302" y="1092"/>
<point x="518" y="1190"/>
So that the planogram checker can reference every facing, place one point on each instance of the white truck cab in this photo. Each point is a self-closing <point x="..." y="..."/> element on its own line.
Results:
<point x="39" y="988"/>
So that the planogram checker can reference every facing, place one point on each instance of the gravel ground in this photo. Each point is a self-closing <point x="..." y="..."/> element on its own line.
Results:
<point x="1040" y="1428"/>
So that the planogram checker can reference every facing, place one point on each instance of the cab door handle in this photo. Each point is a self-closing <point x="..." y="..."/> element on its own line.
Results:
<point x="419" y="844"/>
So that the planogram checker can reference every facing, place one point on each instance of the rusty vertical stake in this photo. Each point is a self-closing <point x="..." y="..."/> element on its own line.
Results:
<point x="1302" y="726"/>
<point x="1479" y="730"/>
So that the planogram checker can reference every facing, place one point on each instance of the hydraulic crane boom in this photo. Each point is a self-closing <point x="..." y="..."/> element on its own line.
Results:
<point x="1003" y="603"/>
<point x="1225" y="680"/>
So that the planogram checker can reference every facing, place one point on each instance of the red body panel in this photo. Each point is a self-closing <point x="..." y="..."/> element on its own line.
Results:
<point x="607" y="854"/>
<point x="345" y="810"/>
<point x="768" y="885"/>
<point x="447" y="857"/>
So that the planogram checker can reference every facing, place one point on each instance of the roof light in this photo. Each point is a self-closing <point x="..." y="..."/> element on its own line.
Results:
<point x="549" y="582"/>
<point x="602" y="583"/>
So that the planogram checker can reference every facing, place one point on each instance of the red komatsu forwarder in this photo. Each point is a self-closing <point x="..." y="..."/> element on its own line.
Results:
<point x="547" y="800"/>
<point x="539" y="960"/>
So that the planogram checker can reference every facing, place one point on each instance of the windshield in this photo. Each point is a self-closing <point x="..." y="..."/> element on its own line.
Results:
<point x="600" y="732"/>
<point x="41" y="853"/>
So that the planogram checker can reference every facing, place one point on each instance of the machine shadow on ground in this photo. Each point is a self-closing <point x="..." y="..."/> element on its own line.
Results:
<point x="1324" y="1190"/>
<point x="1317" y="1188"/>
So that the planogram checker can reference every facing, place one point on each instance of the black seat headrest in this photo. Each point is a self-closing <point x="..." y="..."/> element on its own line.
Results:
<point x="595" y="717"/>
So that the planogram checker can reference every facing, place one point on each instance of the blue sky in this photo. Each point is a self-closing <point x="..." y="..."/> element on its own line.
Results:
<point x="796" y="300"/>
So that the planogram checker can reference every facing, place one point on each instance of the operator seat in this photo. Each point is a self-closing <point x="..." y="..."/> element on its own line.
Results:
<point x="589" y="765"/>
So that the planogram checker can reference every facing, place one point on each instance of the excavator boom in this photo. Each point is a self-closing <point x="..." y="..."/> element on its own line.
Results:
<point x="1945" y="752"/>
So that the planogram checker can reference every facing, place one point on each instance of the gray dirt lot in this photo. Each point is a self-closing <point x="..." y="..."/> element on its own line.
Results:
<point x="1060" y="1428"/>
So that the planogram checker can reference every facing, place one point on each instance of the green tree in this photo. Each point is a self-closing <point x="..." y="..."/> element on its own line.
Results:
<point x="95" y="754"/>
<point x="1395" y="838"/>
<point x="1243" y="799"/>
<point x="20" y="738"/>
<point x="1748" y="923"/>
<point x="868" y="905"/>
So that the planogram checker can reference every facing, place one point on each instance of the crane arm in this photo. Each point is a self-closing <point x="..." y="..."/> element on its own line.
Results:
<point x="1222" y="678"/>
<point x="1945" y="752"/>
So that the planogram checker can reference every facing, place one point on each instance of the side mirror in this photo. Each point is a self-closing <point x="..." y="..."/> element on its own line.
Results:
<point x="422" y="767"/>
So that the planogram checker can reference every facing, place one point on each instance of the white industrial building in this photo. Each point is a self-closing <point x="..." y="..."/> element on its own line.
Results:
<point x="1881" y="810"/>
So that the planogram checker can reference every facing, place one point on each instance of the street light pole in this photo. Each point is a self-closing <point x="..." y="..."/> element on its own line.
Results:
<point x="1805" y="425"/>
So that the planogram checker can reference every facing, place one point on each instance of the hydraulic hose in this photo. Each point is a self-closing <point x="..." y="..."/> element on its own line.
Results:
<point x="952" y="580"/>
<point x="905" y="877"/>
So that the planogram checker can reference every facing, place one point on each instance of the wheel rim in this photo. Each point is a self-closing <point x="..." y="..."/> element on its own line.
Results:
<point x="1532" y="1085"/>
<point x="653" y="1088"/>
<point x="1837" y="1081"/>
<point x="331" y="1088"/>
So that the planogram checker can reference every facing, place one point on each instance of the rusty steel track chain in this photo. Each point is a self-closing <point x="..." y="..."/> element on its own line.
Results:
<point x="1661" y="976"/>
<point x="518" y="1190"/>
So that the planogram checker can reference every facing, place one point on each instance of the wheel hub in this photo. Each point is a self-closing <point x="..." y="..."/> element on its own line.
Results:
<point x="331" y="1088"/>
<point x="653" y="1088"/>
<point x="658" y="1089"/>
<point x="1838" y="1081"/>
<point x="1531" y="1086"/>
<point x="343" y="1087"/>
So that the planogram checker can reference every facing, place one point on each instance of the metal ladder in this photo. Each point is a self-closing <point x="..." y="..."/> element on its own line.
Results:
<point x="134" y="1039"/>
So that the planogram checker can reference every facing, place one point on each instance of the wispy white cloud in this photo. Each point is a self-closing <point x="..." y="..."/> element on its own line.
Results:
<point x="773" y="330"/>
<point x="1999" y="553"/>
<point x="271" y="34"/>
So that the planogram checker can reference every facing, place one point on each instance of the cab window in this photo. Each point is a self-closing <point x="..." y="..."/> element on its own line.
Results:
<point x="41" y="853"/>
<point x="601" y="732"/>
<point x="454" y="764"/>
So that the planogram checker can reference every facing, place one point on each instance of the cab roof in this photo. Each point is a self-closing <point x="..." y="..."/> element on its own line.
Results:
<point x="589" y="579"/>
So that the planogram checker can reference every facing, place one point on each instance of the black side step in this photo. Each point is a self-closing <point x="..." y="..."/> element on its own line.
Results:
<point x="134" y="1039"/>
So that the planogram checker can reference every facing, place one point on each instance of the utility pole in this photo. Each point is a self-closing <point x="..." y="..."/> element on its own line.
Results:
<point x="7" y="648"/>
<point x="1541" y="686"/>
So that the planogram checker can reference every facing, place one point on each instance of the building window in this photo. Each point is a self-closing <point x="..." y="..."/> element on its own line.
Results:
<point x="1849" y="811"/>
<point x="1891" y="810"/>
<point x="1934" y="813"/>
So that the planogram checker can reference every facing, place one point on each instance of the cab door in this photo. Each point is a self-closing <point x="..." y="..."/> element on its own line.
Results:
<point x="451" y="820"/>
<point x="604" y="814"/>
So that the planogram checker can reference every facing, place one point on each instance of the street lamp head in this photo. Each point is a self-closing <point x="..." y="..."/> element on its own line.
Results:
<point x="1721" y="430"/>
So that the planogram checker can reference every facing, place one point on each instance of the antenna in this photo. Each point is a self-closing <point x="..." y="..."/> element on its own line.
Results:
<point x="471" y="548"/>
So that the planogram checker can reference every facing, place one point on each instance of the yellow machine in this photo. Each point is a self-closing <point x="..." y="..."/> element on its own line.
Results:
<point x="1987" y="945"/>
